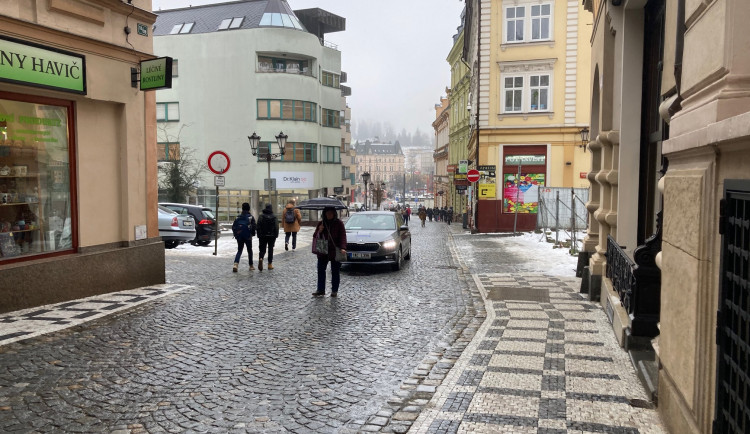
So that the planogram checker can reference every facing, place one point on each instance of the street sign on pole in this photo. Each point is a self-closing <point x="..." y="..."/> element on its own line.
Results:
<point x="473" y="175"/>
<point x="219" y="181"/>
<point x="218" y="162"/>
<point x="269" y="184"/>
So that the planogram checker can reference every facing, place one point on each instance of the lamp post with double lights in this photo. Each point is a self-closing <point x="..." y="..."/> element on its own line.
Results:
<point x="366" y="180"/>
<point x="255" y="148"/>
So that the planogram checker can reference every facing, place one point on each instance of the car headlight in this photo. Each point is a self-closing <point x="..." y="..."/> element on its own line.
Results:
<point x="389" y="245"/>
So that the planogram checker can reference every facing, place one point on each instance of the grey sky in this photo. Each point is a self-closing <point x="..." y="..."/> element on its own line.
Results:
<point x="393" y="51"/>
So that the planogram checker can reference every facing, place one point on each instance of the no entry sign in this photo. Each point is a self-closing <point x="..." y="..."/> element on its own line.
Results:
<point x="218" y="162"/>
<point x="472" y="175"/>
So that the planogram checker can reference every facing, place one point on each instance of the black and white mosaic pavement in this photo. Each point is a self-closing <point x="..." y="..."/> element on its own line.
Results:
<point x="29" y="323"/>
<point x="540" y="368"/>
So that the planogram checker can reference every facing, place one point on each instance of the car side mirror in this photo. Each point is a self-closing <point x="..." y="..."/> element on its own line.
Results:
<point x="404" y="228"/>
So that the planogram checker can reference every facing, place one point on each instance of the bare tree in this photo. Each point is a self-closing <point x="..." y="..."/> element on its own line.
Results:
<point x="181" y="171"/>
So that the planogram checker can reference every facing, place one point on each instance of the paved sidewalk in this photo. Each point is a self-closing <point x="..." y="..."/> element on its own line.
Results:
<point x="544" y="361"/>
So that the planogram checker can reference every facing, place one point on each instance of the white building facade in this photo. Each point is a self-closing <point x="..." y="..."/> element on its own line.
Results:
<point x="254" y="67"/>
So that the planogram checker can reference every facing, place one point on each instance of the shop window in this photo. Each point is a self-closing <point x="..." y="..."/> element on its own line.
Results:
<point x="36" y="200"/>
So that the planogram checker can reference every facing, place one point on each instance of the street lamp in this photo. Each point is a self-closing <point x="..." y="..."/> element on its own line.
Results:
<point x="584" y="137"/>
<point x="266" y="152"/>
<point x="366" y="180"/>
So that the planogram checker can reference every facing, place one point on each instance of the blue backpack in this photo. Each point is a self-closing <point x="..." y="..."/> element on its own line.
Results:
<point x="242" y="227"/>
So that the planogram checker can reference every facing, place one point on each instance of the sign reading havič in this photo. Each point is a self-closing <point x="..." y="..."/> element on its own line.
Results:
<point x="36" y="65"/>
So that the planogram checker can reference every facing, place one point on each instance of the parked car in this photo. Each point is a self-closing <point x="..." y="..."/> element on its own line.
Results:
<point x="205" y="221"/>
<point x="175" y="229"/>
<point x="355" y="206"/>
<point x="377" y="237"/>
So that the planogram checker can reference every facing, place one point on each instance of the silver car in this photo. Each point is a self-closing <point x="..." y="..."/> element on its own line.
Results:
<point x="174" y="228"/>
<point x="377" y="237"/>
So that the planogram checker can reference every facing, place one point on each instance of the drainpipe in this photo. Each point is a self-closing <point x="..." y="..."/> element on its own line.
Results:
<point x="679" y="49"/>
<point x="476" y="116"/>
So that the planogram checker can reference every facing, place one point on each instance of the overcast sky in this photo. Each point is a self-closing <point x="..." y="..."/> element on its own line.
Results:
<point x="393" y="52"/>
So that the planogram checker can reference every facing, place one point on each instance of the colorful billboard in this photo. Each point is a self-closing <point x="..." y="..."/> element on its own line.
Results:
<point x="524" y="194"/>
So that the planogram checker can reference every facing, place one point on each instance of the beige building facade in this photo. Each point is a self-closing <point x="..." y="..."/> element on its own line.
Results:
<point x="670" y="200"/>
<point x="529" y="102"/>
<point x="77" y="152"/>
<point x="441" y="125"/>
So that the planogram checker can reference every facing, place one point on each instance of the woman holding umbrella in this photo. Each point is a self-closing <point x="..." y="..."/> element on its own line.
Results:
<point x="331" y="229"/>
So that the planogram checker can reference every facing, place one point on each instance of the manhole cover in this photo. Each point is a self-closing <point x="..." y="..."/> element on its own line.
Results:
<point x="540" y="295"/>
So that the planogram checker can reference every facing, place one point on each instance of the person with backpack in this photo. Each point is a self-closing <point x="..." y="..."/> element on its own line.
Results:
<point x="291" y="221"/>
<point x="268" y="231"/>
<point x="243" y="229"/>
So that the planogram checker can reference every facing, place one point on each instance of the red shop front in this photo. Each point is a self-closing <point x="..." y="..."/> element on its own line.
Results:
<point x="523" y="173"/>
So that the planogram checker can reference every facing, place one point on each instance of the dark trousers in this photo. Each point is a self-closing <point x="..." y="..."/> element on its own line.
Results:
<point x="262" y="243"/>
<point x="335" y="274"/>
<point x="240" y="246"/>
<point x="294" y="239"/>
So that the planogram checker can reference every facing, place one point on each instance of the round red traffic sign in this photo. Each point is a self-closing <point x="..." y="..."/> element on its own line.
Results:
<point x="472" y="175"/>
<point x="218" y="162"/>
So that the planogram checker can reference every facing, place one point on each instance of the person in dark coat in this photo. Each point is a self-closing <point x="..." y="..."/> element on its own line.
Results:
<point x="429" y="213"/>
<point x="244" y="228"/>
<point x="334" y="231"/>
<point x="268" y="231"/>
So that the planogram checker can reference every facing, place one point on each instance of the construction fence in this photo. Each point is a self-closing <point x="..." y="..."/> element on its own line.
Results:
<point x="563" y="211"/>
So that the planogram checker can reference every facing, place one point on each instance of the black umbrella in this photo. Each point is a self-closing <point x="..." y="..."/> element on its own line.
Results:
<point x="321" y="203"/>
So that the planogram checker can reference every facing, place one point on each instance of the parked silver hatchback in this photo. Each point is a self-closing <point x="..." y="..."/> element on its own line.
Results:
<point x="174" y="228"/>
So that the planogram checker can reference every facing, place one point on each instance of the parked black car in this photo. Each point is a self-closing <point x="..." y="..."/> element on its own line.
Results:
<point x="205" y="221"/>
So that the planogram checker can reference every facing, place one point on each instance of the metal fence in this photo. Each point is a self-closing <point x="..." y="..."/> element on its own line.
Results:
<point x="563" y="210"/>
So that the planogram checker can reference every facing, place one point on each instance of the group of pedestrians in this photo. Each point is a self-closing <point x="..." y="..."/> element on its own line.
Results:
<point x="330" y="229"/>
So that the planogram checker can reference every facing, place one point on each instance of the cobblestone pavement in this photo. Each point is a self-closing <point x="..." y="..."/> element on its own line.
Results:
<point x="248" y="351"/>
<point x="544" y="361"/>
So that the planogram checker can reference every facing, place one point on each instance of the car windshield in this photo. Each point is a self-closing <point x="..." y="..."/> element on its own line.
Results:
<point x="371" y="222"/>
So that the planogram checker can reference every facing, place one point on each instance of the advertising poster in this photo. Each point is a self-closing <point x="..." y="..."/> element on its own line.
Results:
<point x="523" y="194"/>
<point x="294" y="180"/>
<point x="486" y="182"/>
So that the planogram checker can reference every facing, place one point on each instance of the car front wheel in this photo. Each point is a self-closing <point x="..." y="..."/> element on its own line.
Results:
<point x="399" y="260"/>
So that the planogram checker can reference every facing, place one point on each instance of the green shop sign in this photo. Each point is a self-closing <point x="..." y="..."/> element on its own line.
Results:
<point x="156" y="73"/>
<point x="36" y="65"/>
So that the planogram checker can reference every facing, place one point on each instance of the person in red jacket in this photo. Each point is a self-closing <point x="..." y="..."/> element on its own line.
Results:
<point x="331" y="229"/>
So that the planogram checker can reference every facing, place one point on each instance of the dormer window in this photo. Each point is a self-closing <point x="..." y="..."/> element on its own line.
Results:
<point x="231" y="23"/>
<point x="182" y="28"/>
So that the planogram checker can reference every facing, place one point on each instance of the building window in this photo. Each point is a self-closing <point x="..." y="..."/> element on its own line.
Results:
<point x="528" y="23"/>
<point x="291" y="66"/>
<point x="523" y="93"/>
<point x="293" y="152"/>
<point x="331" y="118"/>
<point x="36" y="193"/>
<point x="287" y="109"/>
<point x="539" y="92"/>
<point x="330" y="154"/>
<point x="512" y="94"/>
<point x="167" y="151"/>
<point x="182" y="28"/>
<point x="330" y="79"/>
<point x="231" y="23"/>
<point x="167" y="111"/>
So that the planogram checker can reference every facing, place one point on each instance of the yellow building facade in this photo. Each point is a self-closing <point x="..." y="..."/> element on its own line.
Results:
<point x="533" y="101"/>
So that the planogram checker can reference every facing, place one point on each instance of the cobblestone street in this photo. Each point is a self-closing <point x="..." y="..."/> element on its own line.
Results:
<point x="252" y="351"/>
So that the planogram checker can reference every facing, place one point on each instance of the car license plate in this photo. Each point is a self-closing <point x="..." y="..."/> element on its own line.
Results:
<point x="360" y="256"/>
<point x="187" y="223"/>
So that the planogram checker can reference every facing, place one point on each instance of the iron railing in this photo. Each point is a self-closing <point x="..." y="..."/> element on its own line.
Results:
<point x="620" y="272"/>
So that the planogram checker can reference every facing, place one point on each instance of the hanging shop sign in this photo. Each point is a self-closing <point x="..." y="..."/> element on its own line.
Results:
<point x="39" y="66"/>
<point x="156" y="74"/>
<point x="452" y="168"/>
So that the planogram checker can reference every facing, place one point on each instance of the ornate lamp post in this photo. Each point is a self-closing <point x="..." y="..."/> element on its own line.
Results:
<point x="266" y="152"/>
<point x="366" y="180"/>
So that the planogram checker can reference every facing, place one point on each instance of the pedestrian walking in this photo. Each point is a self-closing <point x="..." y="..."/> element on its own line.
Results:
<point x="333" y="231"/>
<point x="408" y="214"/>
<point x="422" y="215"/>
<point x="291" y="221"/>
<point x="243" y="229"/>
<point x="429" y="214"/>
<point x="449" y="215"/>
<point x="442" y="214"/>
<point x="268" y="231"/>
